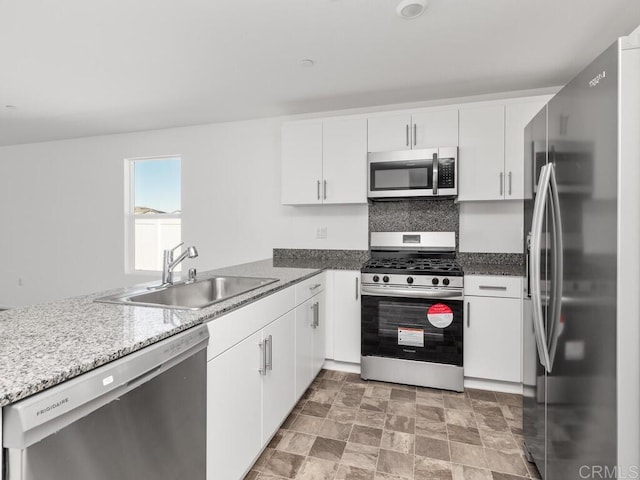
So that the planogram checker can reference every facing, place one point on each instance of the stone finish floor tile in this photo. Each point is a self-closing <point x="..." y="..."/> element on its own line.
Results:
<point x="346" y="428"/>
<point x="395" y="463"/>
<point x="327" y="449"/>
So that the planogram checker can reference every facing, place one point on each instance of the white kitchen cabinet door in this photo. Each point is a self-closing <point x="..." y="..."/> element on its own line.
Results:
<point x="234" y="410"/>
<point x="304" y="346"/>
<point x="319" y="333"/>
<point x="517" y="116"/>
<point x="481" y="153"/>
<point x="346" y="316"/>
<point x="278" y="384"/>
<point x="387" y="133"/>
<point x="302" y="163"/>
<point x="492" y="338"/>
<point x="344" y="161"/>
<point x="437" y="128"/>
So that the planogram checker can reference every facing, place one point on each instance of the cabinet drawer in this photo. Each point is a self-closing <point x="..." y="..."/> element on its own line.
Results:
<point x="235" y="326"/>
<point x="493" y="286"/>
<point x="309" y="287"/>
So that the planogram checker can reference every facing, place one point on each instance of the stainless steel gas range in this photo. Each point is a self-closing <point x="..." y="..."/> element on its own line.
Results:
<point x="412" y="310"/>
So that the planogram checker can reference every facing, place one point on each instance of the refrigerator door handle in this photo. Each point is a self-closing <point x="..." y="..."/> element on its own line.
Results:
<point x="536" y="238"/>
<point x="558" y="272"/>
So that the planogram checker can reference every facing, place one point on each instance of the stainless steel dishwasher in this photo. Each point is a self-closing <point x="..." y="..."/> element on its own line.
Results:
<point x="139" y="417"/>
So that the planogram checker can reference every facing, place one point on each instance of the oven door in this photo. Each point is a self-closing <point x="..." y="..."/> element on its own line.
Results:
<point x="427" y="330"/>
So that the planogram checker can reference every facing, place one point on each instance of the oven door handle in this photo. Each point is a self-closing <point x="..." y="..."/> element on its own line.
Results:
<point x="410" y="292"/>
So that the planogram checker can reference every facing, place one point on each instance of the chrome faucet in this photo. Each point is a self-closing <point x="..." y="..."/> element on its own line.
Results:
<point x="169" y="264"/>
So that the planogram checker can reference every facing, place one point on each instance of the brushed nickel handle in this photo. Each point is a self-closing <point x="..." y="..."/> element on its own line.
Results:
<point x="435" y="173"/>
<point x="492" y="287"/>
<point x="317" y="314"/>
<point x="263" y="358"/>
<point x="318" y="189"/>
<point x="468" y="314"/>
<point x="415" y="135"/>
<point x="501" y="185"/>
<point x="315" y="287"/>
<point x="357" y="288"/>
<point x="510" y="183"/>
<point x="407" y="133"/>
<point x="325" y="189"/>
<point x="269" y="348"/>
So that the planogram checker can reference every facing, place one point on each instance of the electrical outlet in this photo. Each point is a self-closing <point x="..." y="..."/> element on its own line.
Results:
<point x="321" y="232"/>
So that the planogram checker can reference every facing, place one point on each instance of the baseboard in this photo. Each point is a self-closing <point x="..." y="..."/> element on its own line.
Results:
<point x="341" y="366"/>
<point x="493" y="385"/>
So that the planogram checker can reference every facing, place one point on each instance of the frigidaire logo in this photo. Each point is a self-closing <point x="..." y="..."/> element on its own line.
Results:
<point x="597" y="78"/>
<point x="52" y="406"/>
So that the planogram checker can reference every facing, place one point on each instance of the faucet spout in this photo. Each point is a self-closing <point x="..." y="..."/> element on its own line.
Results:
<point x="169" y="264"/>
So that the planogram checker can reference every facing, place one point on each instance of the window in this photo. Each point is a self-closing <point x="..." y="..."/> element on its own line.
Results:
<point x="154" y="210"/>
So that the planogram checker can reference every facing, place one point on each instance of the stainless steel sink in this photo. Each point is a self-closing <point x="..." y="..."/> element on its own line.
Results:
<point x="192" y="295"/>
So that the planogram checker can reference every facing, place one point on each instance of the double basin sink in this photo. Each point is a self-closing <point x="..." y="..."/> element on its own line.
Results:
<point x="189" y="295"/>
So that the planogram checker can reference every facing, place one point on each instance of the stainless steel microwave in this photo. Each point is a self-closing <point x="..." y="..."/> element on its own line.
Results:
<point x="426" y="172"/>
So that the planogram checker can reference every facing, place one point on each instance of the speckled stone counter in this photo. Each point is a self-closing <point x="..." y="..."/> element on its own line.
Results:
<point x="492" y="263"/>
<point x="328" y="259"/>
<point x="44" y="345"/>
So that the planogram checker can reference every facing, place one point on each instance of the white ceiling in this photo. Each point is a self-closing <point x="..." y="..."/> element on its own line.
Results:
<point x="86" y="67"/>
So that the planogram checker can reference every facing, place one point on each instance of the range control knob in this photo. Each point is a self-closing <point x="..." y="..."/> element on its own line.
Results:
<point x="435" y="281"/>
<point x="385" y="279"/>
<point x="445" y="281"/>
<point x="376" y="278"/>
<point x="409" y="279"/>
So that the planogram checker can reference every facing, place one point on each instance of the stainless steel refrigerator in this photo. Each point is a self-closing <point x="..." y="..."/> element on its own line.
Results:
<point x="582" y="313"/>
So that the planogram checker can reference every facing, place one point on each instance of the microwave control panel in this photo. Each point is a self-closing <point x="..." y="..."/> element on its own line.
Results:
<point x="447" y="173"/>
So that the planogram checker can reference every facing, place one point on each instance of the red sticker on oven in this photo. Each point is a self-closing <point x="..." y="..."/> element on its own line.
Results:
<point x="440" y="315"/>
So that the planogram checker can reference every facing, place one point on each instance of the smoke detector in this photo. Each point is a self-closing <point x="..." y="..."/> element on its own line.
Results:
<point x="409" y="9"/>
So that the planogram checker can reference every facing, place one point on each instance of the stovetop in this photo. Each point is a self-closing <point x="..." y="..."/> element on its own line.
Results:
<point x="414" y="266"/>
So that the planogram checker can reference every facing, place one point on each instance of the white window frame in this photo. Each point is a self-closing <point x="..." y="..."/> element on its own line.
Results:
<point x="130" y="215"/>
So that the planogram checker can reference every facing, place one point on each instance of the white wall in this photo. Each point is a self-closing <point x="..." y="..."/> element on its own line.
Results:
<point x="62" y="207"/>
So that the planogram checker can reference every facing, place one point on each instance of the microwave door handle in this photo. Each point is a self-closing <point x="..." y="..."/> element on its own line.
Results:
<point x="435" y="173"/>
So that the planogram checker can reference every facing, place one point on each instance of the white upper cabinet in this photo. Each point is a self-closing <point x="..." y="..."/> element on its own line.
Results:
<point x="481" y="153"/>
<point x="435" y="128"/>
<point x="517" y="116"/>
<point x="324" y="162"/>
<point x="429" y="128"/>
<point x="302" y="163"/>
<point x="389" y="132"/>
<point x="344" y="161"/>
<point x="491" y="155"/>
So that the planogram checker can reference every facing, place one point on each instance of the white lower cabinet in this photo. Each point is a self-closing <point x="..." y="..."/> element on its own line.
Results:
<point x="345" y="316"/>
<point x="493" y="328"/>
<point x="310" y="341"/>
<point x="234" y="410"/>
<point x="261" y="358"/>
<point x="278" y="382"/>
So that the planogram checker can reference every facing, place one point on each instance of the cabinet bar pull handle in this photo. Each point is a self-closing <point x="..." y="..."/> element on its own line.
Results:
<point x="315" y="287"/>
<point x="325" y="189"/>
<point x="269" y="344"/>
<point x="468" y="314"/>
<point x="492" y="287"/>
<point x="357" y="288"/>
<point x="317" y="314"/>
<point x="318" y="189"/>
<point x="263" y="358"/>
<point x="501" y="185"/>
<point x="415" y="135"/>
<point x="509" y="183"/>
<point x="407" y="132"/>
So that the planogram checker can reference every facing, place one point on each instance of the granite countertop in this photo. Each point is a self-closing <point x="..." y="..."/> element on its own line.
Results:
<point x="327" y="259"/>
<point x="44" y="345"/>
<point x="491" y="269"/>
